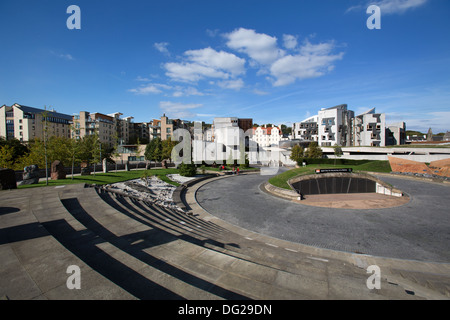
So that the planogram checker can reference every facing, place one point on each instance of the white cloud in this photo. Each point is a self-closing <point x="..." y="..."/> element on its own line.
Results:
<point x="205" y="63"/>
<point x="390" y="6"/>
<point x="260" y="47"/>
<point x="260" y="92"/>
<point x="178" y="110"/>
<point x="289" y="41"/>
<point x="212" y="33"/>
<point x="232" y="84"/>
<point x="313" y="61"/>
<point x="307" y="61"/>
<point x="186" y="92"/>
<point x="162" y="47"/>
<point x="398" y="6"/>
<point x="217" y="60"/>
<point x="150" y="89"/>
<point x="64" y="56"/>
<point x="192" y="72"/>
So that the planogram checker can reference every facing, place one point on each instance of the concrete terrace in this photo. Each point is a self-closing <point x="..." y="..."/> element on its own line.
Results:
<point x="128" y="249"/>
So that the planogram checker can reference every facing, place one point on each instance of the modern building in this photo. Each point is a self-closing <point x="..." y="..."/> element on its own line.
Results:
<point x="27" y="123"/>
<point x="339" y="126"/>
<point x="307" y="130"/>
<point x="396" y="134"/>
<point x="334" y="126"/>
<point x="369" y="129"/>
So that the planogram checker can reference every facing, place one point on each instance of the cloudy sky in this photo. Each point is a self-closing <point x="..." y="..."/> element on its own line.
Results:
<point x="273" y="61"/>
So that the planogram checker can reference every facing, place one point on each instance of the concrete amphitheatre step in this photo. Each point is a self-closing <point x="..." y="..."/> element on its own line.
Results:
<point x="214" y="272"/>
<point x="301" y="271"/>
<point x="128" y="249"/>
<point x="33" y="264"/>
<point x="209" y="235"/>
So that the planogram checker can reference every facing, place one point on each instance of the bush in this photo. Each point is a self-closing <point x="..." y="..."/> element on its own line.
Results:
<point x="188" y="170"/>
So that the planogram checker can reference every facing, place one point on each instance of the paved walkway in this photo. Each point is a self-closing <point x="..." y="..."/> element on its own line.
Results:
<point x="129" y="249"/>
<point x="418" y="230"/>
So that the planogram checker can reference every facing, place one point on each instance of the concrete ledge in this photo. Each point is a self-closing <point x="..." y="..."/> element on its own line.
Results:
<point x="178" y="196"/>
<point x="381" y="186"/>
<point x="279" y="192"/>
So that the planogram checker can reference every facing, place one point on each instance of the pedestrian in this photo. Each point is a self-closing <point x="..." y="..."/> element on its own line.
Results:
<point x="238" y="170"/>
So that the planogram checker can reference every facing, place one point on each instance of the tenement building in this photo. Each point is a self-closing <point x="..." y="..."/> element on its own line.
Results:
<point x="27" y="123"/>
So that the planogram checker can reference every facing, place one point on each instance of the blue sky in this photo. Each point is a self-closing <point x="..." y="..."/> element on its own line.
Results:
<point x="273" y="61"/>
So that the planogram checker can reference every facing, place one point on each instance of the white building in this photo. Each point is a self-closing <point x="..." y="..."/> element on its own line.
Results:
<point x="267" y="136"/>
<point x="339" y="126"/>
<point x="334" y="126"/>
<point x="307" y="130"/>
<point x="369" y="129"/>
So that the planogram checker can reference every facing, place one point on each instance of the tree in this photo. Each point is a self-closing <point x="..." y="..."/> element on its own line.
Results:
<point x="297" y="153"/>
<point x="7" y="157"/>
<point x="73" y="152"/>
<point x="167" y="146"/>
<point x="35" y="155"/>
<point x="88" y="147"/>
<point x="286" y="130"/>
<point x="337" y="153"/>
<point x="11" y="151"/>
<point x="45" y="131"/>
<point x="153" y="151"/>
<point x="313" y="151"/>
<point x="58" y="148"/>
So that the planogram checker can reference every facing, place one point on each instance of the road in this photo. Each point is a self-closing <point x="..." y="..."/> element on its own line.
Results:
<point x="418" y="230"/>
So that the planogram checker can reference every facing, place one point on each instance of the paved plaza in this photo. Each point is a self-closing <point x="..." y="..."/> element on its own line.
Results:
<point x="416" y="230"/>
<point x="236" y="242"/>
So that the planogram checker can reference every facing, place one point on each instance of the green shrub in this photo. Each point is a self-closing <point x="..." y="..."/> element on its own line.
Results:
<point x="188" y="170"/>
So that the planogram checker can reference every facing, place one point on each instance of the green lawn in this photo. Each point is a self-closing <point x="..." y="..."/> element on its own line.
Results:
<point x="107" y="178"/>
<point x="372" y="166"/>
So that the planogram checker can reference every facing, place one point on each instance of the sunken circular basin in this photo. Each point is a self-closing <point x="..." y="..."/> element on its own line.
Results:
<point x="346" y="190"/>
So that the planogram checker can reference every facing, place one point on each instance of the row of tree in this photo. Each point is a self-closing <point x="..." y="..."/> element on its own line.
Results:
<point x="313" y="151"/>
<point x="15" y="155"/>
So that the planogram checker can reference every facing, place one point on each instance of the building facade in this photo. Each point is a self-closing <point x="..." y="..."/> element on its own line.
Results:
<point x="396" y="134"/>
<point x="27" y="123"/>
<point x="165" y="127"/>
<point x="339" y="126"/>
<point x="307" y="130"/>
<point x="334" y="126"/>
<point x="267" y="136"/>
<point x="369" y="129"/>
<point x="85" y="124"/>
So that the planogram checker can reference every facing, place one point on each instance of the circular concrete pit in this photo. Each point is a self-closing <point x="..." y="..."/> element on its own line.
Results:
<point x="346" y="191"/>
